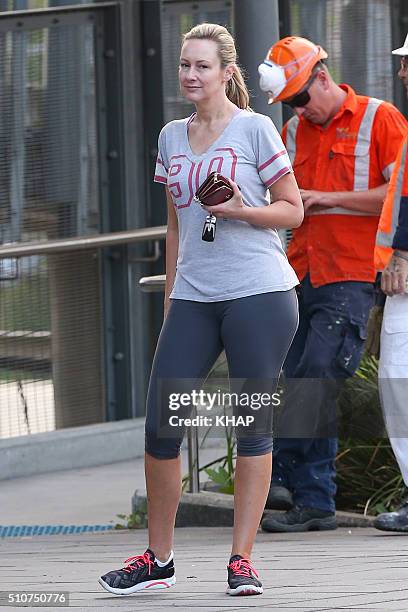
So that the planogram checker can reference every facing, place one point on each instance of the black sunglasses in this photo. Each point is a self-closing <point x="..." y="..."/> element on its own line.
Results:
<point x="302" y="98"/>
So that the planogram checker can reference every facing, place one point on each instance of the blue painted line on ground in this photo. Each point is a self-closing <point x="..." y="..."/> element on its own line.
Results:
<point x="17" y="531"/>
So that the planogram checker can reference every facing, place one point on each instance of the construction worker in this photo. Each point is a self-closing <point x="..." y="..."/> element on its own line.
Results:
<point x="343" y="147"/>
<point x="391" y="256"/>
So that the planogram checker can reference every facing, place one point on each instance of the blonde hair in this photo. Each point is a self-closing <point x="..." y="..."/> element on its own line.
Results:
<point x="235" y="89"/>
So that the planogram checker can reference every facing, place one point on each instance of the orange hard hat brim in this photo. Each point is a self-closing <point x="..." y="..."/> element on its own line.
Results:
<point x="296" y="84"/>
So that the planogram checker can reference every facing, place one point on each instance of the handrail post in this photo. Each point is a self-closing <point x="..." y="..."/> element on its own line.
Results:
<point x="193" y="463"/>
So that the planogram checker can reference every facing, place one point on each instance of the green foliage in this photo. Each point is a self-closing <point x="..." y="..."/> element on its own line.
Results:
<point x="186" y="23"/>
<point x="359" y="407"/>
<point x="134" y="520"/>
<point x="223" y="475"/>
<point x="223" y="478"/>
<point x="368" y="476"/>
<point x="24" y="304"/>
<point x="7" y="375"/>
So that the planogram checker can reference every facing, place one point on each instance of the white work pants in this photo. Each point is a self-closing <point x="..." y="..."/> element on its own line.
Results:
<point x="393" y="377"/>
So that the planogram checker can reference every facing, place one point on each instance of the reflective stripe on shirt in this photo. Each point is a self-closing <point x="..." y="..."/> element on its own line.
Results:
<point x="362" y="163"/>
<point x="291" y="137"/>
<point x="386" y="238"/>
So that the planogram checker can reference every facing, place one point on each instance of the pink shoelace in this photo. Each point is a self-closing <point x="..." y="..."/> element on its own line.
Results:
<point x="138" y="561"/>
<point x="243" y="567"/>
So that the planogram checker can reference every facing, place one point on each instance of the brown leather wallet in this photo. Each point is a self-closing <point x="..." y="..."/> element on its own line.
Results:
<point x="216" y="189"/>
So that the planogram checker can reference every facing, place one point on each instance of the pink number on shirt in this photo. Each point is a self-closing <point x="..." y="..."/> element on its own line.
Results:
<point x="175" y="187"/>
<point x="185" y="166"/>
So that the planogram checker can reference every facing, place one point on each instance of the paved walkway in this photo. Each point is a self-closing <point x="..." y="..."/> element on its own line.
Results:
<point x="358" y="569"/>
<point x="76" y="497"/>
<point x="342" y="570"/>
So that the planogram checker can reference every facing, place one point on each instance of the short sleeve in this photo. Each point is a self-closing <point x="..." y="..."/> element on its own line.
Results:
<point x="389" y="128"/>
<point x="162" y="167"/>
<point x="272" y="158"/>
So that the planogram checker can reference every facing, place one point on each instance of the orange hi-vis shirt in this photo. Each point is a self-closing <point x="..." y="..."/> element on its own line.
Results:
<point x="393" y="226"/>
<point x="355" y="152"/>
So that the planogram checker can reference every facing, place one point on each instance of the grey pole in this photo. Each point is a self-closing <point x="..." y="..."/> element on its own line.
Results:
<point x="256" y="29"/>
<point x="193" y="457"/>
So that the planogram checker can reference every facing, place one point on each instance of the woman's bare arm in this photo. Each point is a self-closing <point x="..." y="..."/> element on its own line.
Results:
<point x="285" y="210"/>
<point x="172" y="242"/>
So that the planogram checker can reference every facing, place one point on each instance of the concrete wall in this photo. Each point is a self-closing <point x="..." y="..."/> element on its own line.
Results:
<point x="79" y="447"/>
<point x="67" y="449"/>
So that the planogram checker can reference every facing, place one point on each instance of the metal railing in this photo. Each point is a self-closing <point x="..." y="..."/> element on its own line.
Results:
<point x="147" y="284"/>
<point x="86" y="242"/>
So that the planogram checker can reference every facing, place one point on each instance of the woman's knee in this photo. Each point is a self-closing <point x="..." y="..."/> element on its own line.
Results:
<point x="253" y="447"/>
<point x="161" y="448"/>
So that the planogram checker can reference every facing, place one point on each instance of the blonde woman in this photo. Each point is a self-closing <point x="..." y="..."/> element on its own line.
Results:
<point x="236" y="293"/>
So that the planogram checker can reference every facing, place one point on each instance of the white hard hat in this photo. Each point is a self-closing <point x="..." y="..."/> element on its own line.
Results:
<point x="402" y="50"/>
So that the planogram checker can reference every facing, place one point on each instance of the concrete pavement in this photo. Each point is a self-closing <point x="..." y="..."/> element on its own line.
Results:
<point x="348" y="569"/>
<point x="357" y="570"/>
<point x="81" y="496"/>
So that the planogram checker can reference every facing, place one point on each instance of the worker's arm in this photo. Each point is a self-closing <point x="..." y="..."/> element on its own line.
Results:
<point x="389" y="128"/>
<point x="369" y="201"/>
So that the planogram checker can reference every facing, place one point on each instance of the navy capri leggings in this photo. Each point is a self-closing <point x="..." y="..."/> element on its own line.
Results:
<point x="256" y="333"/>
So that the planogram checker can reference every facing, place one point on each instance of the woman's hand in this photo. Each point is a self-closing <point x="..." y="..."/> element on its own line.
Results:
<point x="284" y="211"/>
<point x="231" y="209"/>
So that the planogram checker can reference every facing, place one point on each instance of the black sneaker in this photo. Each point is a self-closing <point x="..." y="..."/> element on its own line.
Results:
<point x="141" y="572"/>
<point x="393" y="521"/>
<point x="241" y="577"/>
<point x="300" y="519"/>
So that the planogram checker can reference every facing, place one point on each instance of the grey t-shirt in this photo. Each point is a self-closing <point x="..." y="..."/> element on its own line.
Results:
<point x="244" y="259"/>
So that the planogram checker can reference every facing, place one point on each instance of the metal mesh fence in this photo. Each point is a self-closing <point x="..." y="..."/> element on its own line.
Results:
<point x="50" y="315"/>
<point x="26" y="391"/>
<point x="48" y="169"/>
<point x="358" y="39"/>
<point x="177" y="19"/>
<point x="356" y="35"/>
<point x="21" y="5"/>
<point x="50" y="336"/>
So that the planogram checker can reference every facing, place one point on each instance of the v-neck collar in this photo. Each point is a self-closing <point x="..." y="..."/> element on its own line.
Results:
<point x="216" y="141"/>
